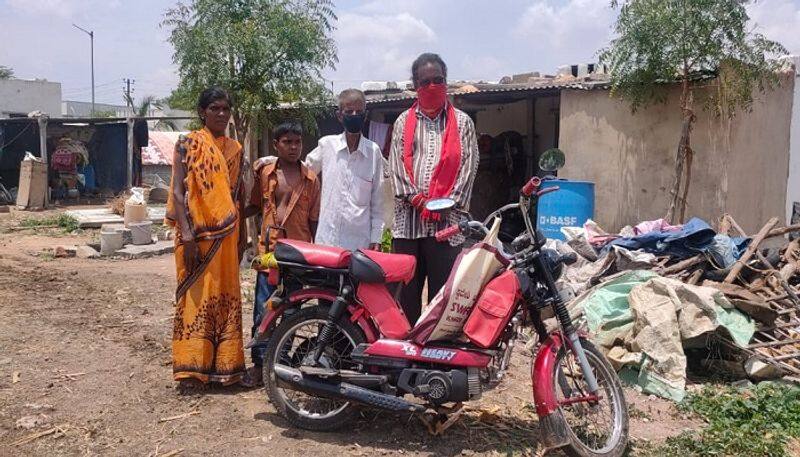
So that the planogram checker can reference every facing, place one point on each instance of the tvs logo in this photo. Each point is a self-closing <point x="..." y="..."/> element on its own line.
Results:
<point x="438" y="354"/>
<point x="409" y="349"/>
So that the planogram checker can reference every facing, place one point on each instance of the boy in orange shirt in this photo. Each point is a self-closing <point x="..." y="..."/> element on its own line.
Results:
<point x="287" y="194"/>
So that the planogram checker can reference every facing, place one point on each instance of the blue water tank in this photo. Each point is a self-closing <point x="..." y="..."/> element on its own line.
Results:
<point x="570" y="206"/>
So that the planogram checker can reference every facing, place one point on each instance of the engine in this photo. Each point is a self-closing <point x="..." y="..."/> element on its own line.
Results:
<point x="440" y="387"/>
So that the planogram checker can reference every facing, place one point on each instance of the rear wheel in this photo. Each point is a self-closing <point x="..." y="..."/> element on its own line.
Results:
<point x="292" y="344"/>
<point x="597" y="428"/>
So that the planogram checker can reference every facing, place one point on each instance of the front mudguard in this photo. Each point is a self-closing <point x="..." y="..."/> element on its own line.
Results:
<point x="553" y="430"/>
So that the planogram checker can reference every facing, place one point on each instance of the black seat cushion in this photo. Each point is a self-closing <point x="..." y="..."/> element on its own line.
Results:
<point x="364" y="269"/>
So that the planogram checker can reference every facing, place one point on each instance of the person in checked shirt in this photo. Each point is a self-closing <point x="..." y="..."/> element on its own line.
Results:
<point x="351" y="169"/>
<point x="433" y="154"/>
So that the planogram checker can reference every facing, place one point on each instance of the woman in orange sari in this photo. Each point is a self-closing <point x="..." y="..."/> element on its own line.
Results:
<point x="204" y="208"/>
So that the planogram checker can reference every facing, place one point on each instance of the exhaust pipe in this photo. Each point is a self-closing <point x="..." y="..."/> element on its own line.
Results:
<point x="343" y="391"/>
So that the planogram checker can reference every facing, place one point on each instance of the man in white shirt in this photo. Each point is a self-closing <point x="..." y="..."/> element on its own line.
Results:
<point x="351" y="166"/>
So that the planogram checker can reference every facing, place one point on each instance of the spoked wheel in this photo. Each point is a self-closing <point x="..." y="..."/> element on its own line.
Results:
<point x="292" y="344"/>
<point x="595" y="428"/>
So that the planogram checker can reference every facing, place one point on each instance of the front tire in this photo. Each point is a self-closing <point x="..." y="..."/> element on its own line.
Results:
<point x="593" y="430"/>
<point x="291" y="342"/>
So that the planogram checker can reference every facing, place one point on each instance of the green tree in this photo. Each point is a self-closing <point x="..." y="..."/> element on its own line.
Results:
<point x="700" y="44"/>
<point x="267" y="53"/>
<point x="6" y="72"/>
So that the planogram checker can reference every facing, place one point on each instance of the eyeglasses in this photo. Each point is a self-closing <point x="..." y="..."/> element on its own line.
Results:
<point x="352" y="112"/>
<point x="428" y="82"/>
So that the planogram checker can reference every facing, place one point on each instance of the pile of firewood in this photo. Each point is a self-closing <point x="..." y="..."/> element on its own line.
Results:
<point x="764" y="284"/>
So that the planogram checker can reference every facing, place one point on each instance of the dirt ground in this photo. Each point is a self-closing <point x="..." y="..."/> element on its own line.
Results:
<point x="85" y="356"/>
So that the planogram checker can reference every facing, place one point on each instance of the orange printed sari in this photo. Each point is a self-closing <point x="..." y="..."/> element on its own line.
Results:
<point x="207" y="329"/>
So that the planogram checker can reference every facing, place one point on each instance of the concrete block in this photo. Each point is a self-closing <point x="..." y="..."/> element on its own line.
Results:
<point x="147" y="250"/>
<point x="127" y="237"/>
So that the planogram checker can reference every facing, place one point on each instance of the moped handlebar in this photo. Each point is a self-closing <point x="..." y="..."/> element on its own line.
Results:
<point x="547" y="191"/>
<point x="447" y="233"/>
<point x="531" y="186"/>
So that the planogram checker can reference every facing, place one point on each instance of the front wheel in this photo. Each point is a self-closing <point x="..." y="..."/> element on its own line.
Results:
<point x="292" y="344"/>
<point x="595" y="428"/>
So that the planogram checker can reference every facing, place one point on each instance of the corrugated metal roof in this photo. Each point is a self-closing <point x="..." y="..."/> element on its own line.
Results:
<point x="380" y="98"/>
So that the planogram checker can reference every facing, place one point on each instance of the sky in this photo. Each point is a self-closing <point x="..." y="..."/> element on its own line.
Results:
<point x="377" y="40"/>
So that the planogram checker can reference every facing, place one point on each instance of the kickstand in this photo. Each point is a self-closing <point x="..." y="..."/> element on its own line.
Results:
<point x="442" y="419"/>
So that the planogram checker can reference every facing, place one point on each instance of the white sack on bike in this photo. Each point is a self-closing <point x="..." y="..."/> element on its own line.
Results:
<point x="444" y="317"/>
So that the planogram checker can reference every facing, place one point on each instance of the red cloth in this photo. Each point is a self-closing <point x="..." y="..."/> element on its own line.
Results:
<point x="446" y="172"/>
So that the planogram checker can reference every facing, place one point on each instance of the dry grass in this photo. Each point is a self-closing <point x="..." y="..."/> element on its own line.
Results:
<point x="117" y="204"/>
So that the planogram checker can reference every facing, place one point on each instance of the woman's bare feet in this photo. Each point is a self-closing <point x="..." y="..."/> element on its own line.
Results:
<point x="191" y="386"/>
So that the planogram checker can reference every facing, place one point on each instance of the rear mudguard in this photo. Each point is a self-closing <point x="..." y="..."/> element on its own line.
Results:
<point x="357" y="314"/>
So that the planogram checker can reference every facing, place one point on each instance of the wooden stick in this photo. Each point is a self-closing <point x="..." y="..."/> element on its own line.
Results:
<point x="36" y="436"/>
<point x="683" y="265"/>
<point x="695" y="277"/>
<point x="773" y="344"/>
<point x="783" y="231"/>
<point x="172" y="453"/>
<point x="786" y="357"/>
<point x="737" y="267"/>
<point x="179" y="416"/>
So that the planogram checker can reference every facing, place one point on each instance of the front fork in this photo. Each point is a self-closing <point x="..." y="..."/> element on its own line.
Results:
<point x="572" y="338"/>
<point x="338" y="307"/>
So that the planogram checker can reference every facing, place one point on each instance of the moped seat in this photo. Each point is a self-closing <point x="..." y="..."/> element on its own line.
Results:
<point x="380" y="267"/>
<point x="319" y="255"/>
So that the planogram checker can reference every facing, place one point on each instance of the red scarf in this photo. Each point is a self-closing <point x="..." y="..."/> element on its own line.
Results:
<point x="446" y="172"/>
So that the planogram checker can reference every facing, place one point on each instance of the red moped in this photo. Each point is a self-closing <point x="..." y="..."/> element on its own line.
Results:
<point x="347" y="342"/>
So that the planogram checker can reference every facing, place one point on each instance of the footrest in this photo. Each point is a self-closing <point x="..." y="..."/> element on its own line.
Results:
<point x="319" y="372"/>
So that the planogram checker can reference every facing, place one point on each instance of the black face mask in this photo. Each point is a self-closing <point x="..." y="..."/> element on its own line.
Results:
<point x="354" y="123"/>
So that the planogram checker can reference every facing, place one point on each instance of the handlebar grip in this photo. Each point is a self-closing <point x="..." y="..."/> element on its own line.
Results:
<point x="446" y="234"/>
<point x="531" y="186"/>
<point x="547" y="191"/>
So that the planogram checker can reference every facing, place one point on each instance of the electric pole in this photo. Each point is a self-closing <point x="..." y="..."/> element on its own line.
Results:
<point x="91" y="50"/>
<point x="128" y="92"/>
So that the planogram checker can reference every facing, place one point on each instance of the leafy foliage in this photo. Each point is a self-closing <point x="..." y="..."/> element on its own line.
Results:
<point x="662" y="41"/>
<point x="6" y="72"/>
<point x="265" y="52"/>
<point x="757" y="422"/>
<point x="386" y="240"/>
<point x="142" y="109"/>
<point x="689" y="41"/>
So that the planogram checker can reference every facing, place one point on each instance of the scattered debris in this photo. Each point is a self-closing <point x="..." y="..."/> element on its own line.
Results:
<point x="87" y="252"/>
<point x="15" y="377"/>
<point x="172" y="453"/>
<point x="762" y="284"/>
<point x="179" y="416"/>
<point x="60" y="430"/>
<point x="32" y="421"/>
<point x="65" y="251"/>
<point x="38" y="407"/>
